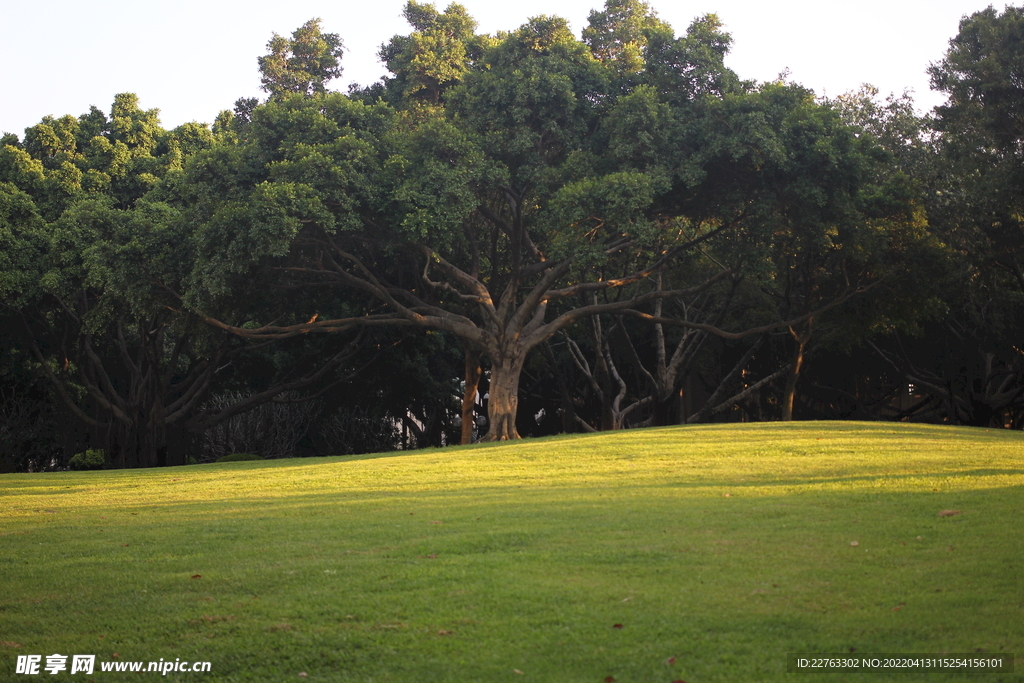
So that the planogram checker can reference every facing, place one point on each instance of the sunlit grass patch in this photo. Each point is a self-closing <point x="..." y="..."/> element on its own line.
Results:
<point x="722" y="546"/>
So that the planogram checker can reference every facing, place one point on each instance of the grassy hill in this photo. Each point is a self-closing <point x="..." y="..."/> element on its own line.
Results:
<point x="699" y="554"/>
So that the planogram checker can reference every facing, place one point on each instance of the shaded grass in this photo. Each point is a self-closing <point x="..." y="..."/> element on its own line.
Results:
<point x="723" y="546"/>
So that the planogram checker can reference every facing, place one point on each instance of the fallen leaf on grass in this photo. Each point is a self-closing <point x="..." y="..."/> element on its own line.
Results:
<point x="854" y="543"/>
<point x="949" y="513"/>
<point x="210" y="619"/>
<point x="517" y="671"/>
<point x="303" y="674"/>
<point x="213" y="619"/>
<point x="670" y="661"/>
<point x="444" y="632"/>
<point x="7" y="643"/>
<point x="679" y="680"/>
<point x="197" y="576"/>
<point x="609" y="679"/>
<point x="617" y="626"/>
<point x="435" y="521"/>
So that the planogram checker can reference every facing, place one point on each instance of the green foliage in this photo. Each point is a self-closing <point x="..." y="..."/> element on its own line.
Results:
<point x="239" y="457"/>
<point x="431" y="175"/>
<point x="64" y="160"/>
<point x="619" y="37"/>
<point x="23" y="245"/>
<point x="535" y="98"/>
<point x="302" y="65"/>
<point x="982" y="75"/>
<point x="621" y="200"/>
<point x="687" y="69"/>
<point x="501" y="189"/>
<point x="976" y="192"/>
<point x="92" y="459"/>
<point x="435" y="56"/>
<point x="308" y="161"/>
<point x="138" y="130"/>
<point x="640" y="129"/>
<point x="89" y="267"/>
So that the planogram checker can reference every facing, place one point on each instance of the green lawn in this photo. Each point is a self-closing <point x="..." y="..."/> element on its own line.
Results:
<point x="567" y="559"/>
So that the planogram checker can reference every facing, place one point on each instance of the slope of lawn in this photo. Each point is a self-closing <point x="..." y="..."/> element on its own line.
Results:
<point x="700" y="554"/>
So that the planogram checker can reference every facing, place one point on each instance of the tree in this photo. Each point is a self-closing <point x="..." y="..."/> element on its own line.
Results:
<point x="619" y="36"/>
<point x="536" y="199"/>
<point x="982" y="128"/>
<point x="423" y="195"/>
<point x="80" y="290"/>
<point x="302" y="65"/>
<point x="84" y="179"/>
<point x="981" y="74"/>
<point x="435" y="56"/>
<point x="28" y="436"/>
<point x="974" y="201"/>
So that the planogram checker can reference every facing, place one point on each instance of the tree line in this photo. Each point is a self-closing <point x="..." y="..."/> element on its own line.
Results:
<point x="511" y="235"/>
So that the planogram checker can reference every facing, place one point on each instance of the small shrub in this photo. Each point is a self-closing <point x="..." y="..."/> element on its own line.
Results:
<point x="272" y="429"/>
<point x="359" y="430"/>
<point x="92" y="459"/>
<point x="239" y="457"/>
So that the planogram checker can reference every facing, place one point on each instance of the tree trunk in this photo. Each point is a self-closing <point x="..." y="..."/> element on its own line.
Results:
<point x="567" y="413"/>
<point x="789" y="396"/>
<point x="469" y="395"/>
<point x="150" y="428"/>
<point x="503" y="396"/>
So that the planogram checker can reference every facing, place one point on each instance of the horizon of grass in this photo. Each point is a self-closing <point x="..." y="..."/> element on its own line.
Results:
<point x="700" y="553"/>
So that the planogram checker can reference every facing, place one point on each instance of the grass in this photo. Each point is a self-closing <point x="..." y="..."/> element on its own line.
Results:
<point x="567" y="559"/>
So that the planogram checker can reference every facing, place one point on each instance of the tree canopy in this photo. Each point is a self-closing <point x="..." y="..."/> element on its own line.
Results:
<point x="304" y="64"/>
<point x="516" y="234"/>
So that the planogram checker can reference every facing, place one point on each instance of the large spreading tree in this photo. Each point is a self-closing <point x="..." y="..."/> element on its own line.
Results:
<point x="547" y="190"/>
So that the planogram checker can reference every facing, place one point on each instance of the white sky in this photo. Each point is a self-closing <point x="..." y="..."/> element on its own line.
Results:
<point x="193" y="58"/>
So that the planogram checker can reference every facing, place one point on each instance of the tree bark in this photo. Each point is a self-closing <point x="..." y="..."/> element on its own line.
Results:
<point x="503" y="396"/>
<point x="469" y="395"/>
<point x="802" y="338"/>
